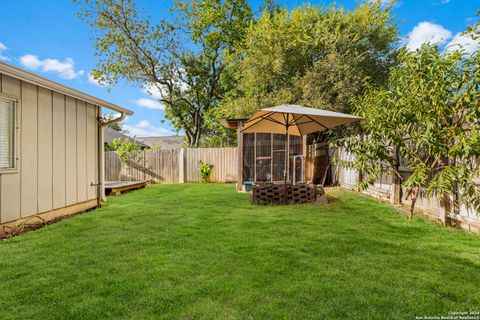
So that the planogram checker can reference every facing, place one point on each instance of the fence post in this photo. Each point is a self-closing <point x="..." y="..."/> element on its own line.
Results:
<point x="239" y="158"/>
<point x="445" y="208"/>
<point x="144" y="168"/>
<point x="181" y="166"/>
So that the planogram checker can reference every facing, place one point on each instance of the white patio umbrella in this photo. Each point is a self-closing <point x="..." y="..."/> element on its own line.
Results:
<point x="295" y="120"/>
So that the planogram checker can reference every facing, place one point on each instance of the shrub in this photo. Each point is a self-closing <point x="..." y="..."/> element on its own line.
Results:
<point x="206" y="170"/>
<point x="127" y="151"/>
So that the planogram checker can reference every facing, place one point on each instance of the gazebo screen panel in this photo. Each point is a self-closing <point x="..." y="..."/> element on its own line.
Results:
<point x="248" y="156"/>
<point x="278" y="165"/>
<point x="278" y="142"/>
<point x="278" y="156"/>
<point x="264" y="145"/>
<point x="296" y="148"/>
<point x="264" y="156"/>
<point x="296" y="145"/>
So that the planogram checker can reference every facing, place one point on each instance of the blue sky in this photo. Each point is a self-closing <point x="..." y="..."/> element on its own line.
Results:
<point x="45" y="36"/>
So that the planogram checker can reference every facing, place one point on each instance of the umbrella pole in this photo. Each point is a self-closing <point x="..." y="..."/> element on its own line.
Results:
<point x="285" y="171"/>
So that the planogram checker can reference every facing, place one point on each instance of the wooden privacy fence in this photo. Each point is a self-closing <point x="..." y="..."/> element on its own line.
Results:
<point x="158" y="166"/>
<point x="317" y="163"/>
<point x="173" y="165"/>
<point x="224" y="161"/>
<point x="384" y="188"/>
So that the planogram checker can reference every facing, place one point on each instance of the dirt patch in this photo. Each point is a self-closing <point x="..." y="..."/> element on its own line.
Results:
<point x="32" y="223"/>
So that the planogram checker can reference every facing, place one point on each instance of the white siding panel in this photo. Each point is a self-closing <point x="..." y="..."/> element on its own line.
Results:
<point x="45" y="148"/>
<point x="81" y="151"/>
<point x="71" y="150"/>
<point x="29" y="149"/>
<point x="59" y="200"/>
<point x="91" y="151"/>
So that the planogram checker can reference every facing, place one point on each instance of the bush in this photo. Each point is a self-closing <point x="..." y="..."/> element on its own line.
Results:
<point x="428" y="117"/>
<point x="127" y="151"/>
<point x="206" y="170"/>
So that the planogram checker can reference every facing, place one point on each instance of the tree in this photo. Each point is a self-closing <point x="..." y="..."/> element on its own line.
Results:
<point x="127" y="150"/>
<point x="474" y="30"/>
<point x="180" y="60"/>
<point x="271" y="7"/>
<point x="117" y="126"/>
<point x="429" y="114"/>
<point x="314" y="56"/>
<point x="215" y="134"/>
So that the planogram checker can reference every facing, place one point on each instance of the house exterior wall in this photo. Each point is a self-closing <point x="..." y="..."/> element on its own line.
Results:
<point x="56" y="150"/>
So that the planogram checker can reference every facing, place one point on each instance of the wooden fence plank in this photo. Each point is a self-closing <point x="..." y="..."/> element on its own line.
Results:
<point x="163" y="166"/>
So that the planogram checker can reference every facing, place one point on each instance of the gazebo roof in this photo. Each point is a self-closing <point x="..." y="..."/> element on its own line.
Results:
<point x="232" y="123"/>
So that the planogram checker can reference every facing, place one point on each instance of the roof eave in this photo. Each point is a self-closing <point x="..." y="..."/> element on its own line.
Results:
<point x="26" y="76"/>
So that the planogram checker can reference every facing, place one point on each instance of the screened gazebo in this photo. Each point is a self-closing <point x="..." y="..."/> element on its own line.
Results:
<point x="262" y="156"/>
<point x="270" y="136"/>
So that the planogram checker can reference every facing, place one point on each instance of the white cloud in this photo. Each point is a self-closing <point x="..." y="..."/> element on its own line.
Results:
<point x="144" y="124"/>
<point x="65" y="69"/>
<point x="149" y="103"/>
<point x="427" y="32"/>
<point x="153" y="90"/>
<point x="144" y="128"/>
<point x="3" y="48"/>
<point x="157" y="91"/>
<point x="466" y="43"/>
<point x="385" y="3"/>
<point x="94" y="81"/>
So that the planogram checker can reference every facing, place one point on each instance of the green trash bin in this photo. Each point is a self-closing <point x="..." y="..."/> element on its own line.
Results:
<point x="248" y="185"/>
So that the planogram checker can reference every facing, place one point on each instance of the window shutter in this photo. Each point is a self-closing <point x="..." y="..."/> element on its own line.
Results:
<point x="7" y="127"/>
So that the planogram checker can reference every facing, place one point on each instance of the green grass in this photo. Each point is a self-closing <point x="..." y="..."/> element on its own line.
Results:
<point x="203" y="251"/>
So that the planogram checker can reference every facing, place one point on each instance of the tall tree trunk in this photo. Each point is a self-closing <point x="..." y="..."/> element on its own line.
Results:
<point x="197" y="129"/>
<point x="189" y="138"/>
<point x="414" y="200"/>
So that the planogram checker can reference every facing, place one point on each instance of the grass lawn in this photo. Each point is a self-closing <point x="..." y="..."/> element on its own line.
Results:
<point x="203" y="251"/>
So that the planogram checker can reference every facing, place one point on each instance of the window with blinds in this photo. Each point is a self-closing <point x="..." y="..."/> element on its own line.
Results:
<point x="7" y="133"/>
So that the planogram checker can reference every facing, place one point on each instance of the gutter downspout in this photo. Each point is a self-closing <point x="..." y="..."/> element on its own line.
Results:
<point x="101" y="155"/>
